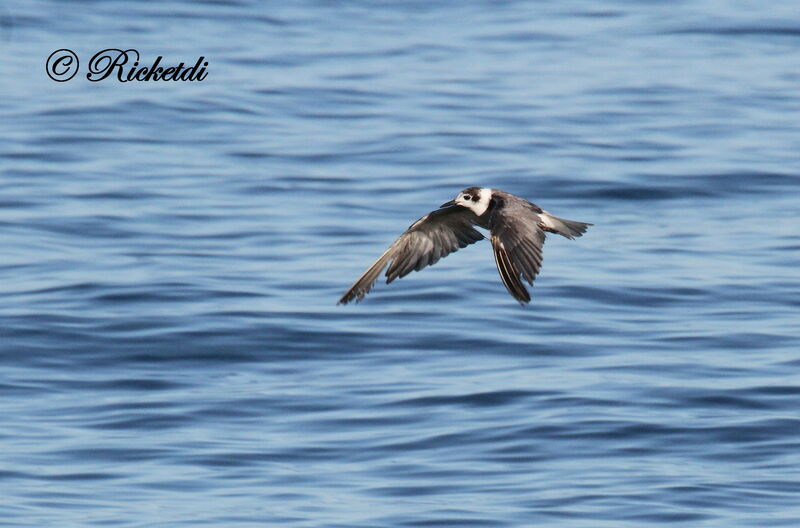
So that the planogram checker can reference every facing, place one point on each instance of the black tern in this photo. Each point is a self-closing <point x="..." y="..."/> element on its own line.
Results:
<point x="517" y="229"/>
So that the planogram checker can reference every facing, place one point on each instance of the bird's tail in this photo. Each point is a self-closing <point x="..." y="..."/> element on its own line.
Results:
<point x="567" y="228"/>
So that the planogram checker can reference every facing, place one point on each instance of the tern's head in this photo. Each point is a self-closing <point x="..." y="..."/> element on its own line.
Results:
<point x="475" y="198"/>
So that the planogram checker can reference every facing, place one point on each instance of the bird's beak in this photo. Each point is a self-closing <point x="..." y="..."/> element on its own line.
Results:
<point x="448" y="204"/>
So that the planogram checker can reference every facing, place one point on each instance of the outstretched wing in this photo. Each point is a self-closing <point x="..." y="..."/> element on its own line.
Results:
<point x="430" y="238"/>
<point x="517" y="251"/>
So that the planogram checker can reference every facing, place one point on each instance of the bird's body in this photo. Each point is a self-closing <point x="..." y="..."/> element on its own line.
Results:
<point x="517" y="230"/>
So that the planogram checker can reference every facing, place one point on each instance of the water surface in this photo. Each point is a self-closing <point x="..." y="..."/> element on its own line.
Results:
<point x="172" y="254"/>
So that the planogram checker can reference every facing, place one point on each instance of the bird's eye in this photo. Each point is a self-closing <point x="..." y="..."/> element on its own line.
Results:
<point x="467" y="197"/>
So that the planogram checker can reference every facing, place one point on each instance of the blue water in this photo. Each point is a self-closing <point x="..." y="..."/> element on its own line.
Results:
<point x="171" y="255"/>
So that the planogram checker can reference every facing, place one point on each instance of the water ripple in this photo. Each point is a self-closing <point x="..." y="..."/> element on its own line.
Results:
<point x="171" y="347"/>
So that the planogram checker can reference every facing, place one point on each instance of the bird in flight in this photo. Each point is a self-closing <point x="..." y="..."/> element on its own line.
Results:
<point x="517" y="229"/>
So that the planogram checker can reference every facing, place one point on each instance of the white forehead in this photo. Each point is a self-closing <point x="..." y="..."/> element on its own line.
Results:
<point x="478" y="207"/>
<point x="483" y="191"/>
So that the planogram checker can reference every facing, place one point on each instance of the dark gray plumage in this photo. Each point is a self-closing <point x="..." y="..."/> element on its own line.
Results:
<point x="517" y="231"/>
<point x="430" y="238"/>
